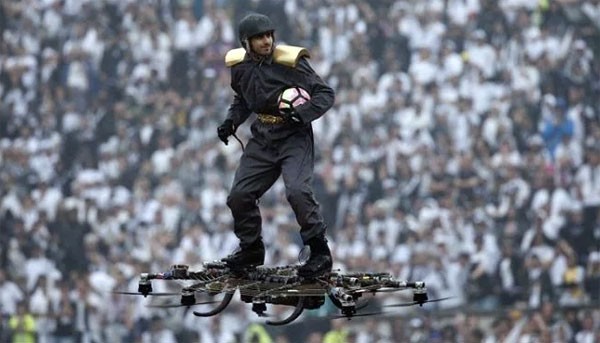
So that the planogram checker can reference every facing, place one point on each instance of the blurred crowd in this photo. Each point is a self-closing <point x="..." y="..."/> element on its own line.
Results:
<point x="463" y="150"/>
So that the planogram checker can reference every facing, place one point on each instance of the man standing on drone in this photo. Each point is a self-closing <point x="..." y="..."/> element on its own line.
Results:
<point x="281" y="143"/>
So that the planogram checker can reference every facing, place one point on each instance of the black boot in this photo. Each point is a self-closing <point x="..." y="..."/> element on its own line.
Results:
<point x="320" y="261"/>
<point x="247" y="256"/>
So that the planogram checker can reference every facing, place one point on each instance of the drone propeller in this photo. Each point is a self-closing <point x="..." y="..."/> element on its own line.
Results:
<point x="180" y="305"/>
<point x="164" y="294"/>
<point x="417" y="302"/>
<point x="366" y="314"/>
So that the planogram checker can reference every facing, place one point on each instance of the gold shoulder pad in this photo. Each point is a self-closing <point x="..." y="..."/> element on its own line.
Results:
<point x="289" y="55"/>
<point x="234" y="56"/>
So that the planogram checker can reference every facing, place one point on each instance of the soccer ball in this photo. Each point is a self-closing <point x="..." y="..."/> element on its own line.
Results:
<point x="293" y="97"/>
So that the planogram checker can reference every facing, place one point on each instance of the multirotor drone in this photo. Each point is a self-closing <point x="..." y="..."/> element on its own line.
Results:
<point x="278" y="285"/>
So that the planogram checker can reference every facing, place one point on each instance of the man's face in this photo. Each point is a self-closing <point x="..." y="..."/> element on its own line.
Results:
<point x="262" y="44"/>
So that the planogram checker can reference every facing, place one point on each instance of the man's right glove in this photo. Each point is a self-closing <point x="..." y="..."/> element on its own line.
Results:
<point x="290" y="114"/>
<point x="225" y="130"/>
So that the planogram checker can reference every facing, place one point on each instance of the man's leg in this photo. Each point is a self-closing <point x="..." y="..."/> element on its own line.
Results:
<point x="256" y="173"/>
<point x="297" y="171"/>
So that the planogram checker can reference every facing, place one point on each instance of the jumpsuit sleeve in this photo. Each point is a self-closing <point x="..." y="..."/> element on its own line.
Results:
<point x="322" y="96"/>
<point x="238" y="110"/>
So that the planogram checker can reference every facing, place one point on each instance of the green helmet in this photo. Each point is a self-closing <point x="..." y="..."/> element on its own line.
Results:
<point x="252" y="25"/>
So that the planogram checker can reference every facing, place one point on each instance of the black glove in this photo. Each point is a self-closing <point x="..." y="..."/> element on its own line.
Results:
<point x="290" y="114"/>
<point x="225" y="130"/>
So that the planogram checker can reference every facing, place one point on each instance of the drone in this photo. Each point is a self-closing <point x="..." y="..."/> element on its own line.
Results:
<point x="278" y="285"/>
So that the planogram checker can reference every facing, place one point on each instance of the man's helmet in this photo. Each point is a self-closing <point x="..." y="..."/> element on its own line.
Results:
<point x="252" y="25"/>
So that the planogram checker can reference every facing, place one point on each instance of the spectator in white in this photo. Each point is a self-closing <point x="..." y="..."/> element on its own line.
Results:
<point x="29" y="213"/>
<point x="158" y="333"/>
<point x="10" y="295"/>
<point x="534" y="242"/>
<point x="580" y="111"/>
<point x="496" y="125"/>
<point x="36" y="266"/>
<point x="169" y="193"/>
<point x="77" y="78"/>
<point x="214" y="21"/>
<point x="351" y="242"/>
<point x="484" y="261"/>
<point x="150" y="43"/>
<point x="578" y="66"/>
<point x="47" y="198"/>
<point x="458" y="277"/>
<point x="587" y="182"/>
<point x="481" y="54"/>
<point x="459" y="11"/>
<point x="569" y="153"/>
<point x="507" y="155"/>
<point x="591" y="9"/>
<point x="183" y="30"/>
<point x="451" y="61"/>
<point x="39" y="306"/>
<point x="540" y="287"/>
<point x="51" y="19"/>
<point x="462" y="124"/>
<point x="437" y="280"/>
<point x="423" y="67"/>
<point x="213" y="194"/>
<point x="514" y="194"/>
<point x="44" y="160"/>
<point x="145" y="205"/>
<point x="371" y="99"/>
<point x="552" y="202"/>
<point x="161" y="157"/>
<point x="588" y="333"/>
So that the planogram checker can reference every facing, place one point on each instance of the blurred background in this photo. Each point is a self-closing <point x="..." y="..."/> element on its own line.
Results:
<point x="463" y="150"/>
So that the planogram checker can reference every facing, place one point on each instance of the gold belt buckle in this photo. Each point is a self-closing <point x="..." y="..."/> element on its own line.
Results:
<point x="270" y="119"/>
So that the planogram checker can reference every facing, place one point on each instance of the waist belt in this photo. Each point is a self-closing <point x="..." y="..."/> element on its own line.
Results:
<point x="270" y="119"/>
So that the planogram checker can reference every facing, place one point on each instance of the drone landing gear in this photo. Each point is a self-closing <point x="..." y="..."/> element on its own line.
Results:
<point x="297" y="312"/>
<point x="224" y="302"/>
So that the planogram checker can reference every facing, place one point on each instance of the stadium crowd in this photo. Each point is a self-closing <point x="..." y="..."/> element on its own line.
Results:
<point x="463" y="150"/>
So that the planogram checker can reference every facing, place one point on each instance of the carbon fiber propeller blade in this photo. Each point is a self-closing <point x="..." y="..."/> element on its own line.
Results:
<point x="412" y="303"/>
<point x="180" y="305"/>
<point x="164" y="294"/>
<point x="367" y="314"/>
